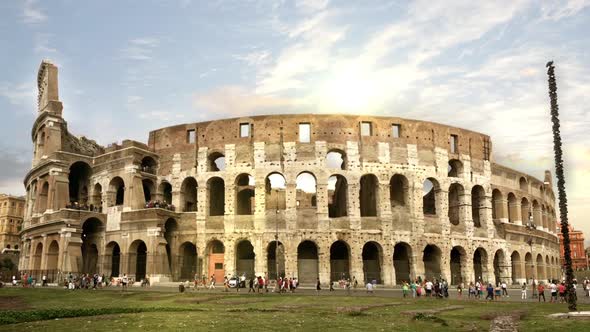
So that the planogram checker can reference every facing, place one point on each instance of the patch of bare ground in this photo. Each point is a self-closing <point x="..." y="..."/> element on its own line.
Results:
<point x="360" y="309"/>
<point x="505" y="322"/>
<point x="12" y="303"/>
<point x="198" y="300"/>
<point x="432" y="311"/>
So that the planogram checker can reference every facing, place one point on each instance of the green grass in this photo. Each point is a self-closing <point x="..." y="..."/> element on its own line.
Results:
<point x="57" y="309"/>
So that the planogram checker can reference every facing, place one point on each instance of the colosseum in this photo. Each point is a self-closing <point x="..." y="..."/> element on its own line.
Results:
<point x="303" y="195"/>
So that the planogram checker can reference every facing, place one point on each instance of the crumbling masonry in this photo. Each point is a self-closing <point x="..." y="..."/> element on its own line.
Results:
<point x="377" y="198"/>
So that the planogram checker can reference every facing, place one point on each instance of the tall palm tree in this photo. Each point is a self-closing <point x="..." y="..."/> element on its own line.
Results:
<point x="569" y="272"/>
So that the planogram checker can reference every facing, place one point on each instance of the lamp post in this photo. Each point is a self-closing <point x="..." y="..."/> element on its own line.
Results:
<point x="530" y="226"/>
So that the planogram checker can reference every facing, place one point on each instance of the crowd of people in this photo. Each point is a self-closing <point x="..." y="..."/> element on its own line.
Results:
<point x="84" y="207"/>
<point x="159" y="204"/>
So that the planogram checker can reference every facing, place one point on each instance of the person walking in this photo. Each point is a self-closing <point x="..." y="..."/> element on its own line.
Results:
<point x="317" y="286"/>
<point x="331" y="286"/>
<point x="124" y="282"/>
<point x="541" y="291"/>
<point x="553" y="288"/>
<point x="459" y="290"/>
<point x="490" y="290"/>
<point x="44" y="279"/>
<point x="413" y="287"/>
<point x="212" y="282"/>
<point x="505" y="289"/>
<point x="523" y="291"/>
<point x="251" y="285"/>
<point x="405" y="289"/>
<point x="369" y="287"/>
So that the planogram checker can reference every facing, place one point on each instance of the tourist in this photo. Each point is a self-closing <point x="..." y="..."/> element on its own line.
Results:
<point x="355" y="283"/>
<point x="44" y="281"/>
<point x="212" y="282"/>
<point x="332" y="286"/>
<point x="553" y="288"/>
<point x="369" y="288"/>
<point x="13" y="280"/>
<point x="413" y="287"/>
<point x="561" y="289"/>
<point x="541" y="291"/>
<point x="405" y="289"/>
<point x="523" y="291"/>
<point x="225" y="284"/>
<point x="317" y="286"/>
<point x="459" y="290"/>
<point x="498" y="292"/>
<point x="471" y="290"/>
<point x="124" y="281"/>
<point x="428" y="285"/>
<point x="490" y="290"/>
<point x="505" y="289"/>
<point x="347" y="286"/>
<point x="251" y="285"/>
<point x="266" y="281"/>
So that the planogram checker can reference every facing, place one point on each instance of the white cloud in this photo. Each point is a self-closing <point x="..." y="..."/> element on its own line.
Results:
<point x="556" y="10"/>
<point x="234" y="101"/>
<point x="19" y="94"/>
<point x="42" y="44"/>
<point x="141" y="49"/>
<point x="31" y="13"/>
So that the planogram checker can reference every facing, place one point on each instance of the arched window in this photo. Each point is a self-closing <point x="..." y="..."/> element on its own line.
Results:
<point x="455" y="168"/>
<point x="216" y="187"/>
<point x="398" y="188"/>
<point x="477" y="205"/>
<point x="337" y="196"/>
<point x="336" y="159"/>
<point x="245" y="194"/>
<point x="429" y="190"/>
<point x="79" y="180"/>
<point x="456" y="193"/>
<point x="216" y="162"/>
<point x="148" y="165"/>
<point x="117" y="191"/>
<point x="275" y="185"/>
<point x="524" y="186"/>
<point x="306" y="191"/>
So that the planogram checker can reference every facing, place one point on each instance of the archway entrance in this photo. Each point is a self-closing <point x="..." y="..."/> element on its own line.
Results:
<point x="170" y="230"/>
<point x="216" y="259"/>
<point x="37" y="257"/>
<point x="431" y="259"/>
<point x="480" y="260"/>
<point x="188" y="261"/>
<point x="245" y="258"/>
<point x="138" y="259"/>
<point x="516" y="267"/>
<point x="272" y="260"/>
<point x="91" y="230"/>
<point x="457" y="258"/>
<point x="113" y="258"/>
<point x="339" y="261"/>
<point x="401" y="262"/>
<point x="307" y="262"/>
<point x="52" y="256"/>
<point x="499" y="269"/>
<point x="372" y="262"/>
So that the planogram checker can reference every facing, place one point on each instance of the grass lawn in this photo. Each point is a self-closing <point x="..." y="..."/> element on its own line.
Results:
<point x="44" y="309"/>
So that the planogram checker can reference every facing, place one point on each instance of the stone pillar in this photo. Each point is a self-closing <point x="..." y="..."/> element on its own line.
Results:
<point x="356" y="262"/>
<point x="416" y="206"/>
<point x="59" y="192"/>
<point x="44" y="253"/>
<point x="442" y="211"/>
<point x="324" y="264"/>
<point x="291" y="269"/>
<point x="465" y="213"/>
<point x="387" y="270"/>
<point x="291" y="206"/>
<point x="322" y="205"/>
<point x="230" y="258"/>
<point x="354" y="212"/>
<point x="488" y="220"/>
<point x="260" y="202"/>
<point x="518" y="212"/>
<point x="384" y="207"/>
<point x="504" y="209"/>
<point x="417" y="264"/>
<point x="229" y="216"/>
<point x="260" y="256"/>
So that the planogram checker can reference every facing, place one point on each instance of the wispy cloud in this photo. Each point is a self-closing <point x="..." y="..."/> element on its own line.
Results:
<point x="42" y="44"/>
<point x="233" y="101"/>
<point x="141" y="49"/>
<point x="32" y="14"/>
<point x="556" y="10"/>
<point x="18" y="94"/>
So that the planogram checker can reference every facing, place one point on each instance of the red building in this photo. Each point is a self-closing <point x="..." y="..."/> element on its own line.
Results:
<point x="579" y="258"/>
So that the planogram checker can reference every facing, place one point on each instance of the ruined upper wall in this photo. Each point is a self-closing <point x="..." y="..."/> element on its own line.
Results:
<point x="335" y="130"/>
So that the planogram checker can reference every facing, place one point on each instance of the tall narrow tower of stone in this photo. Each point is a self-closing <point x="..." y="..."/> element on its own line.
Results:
<point x="47" y="129"/>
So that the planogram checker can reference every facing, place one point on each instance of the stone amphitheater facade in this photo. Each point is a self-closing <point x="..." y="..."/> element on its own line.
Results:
<point x="374" y="198"/>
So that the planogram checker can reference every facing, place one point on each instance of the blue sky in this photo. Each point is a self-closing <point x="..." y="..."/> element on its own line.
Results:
<point x="127" y="67"/>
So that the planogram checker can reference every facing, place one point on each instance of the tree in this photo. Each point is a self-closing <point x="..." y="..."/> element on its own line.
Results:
<point x="569" y="272"/>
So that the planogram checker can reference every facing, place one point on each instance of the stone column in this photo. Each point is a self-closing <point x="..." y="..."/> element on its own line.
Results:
<point x="322" y="205"/>
<point x="518" y="220"/>
<point x="384" y="207"/>
<point x="260" y="256"/>
<point x="291" y="206"/>
<point x="387" y="270"/>
<point x="356" y="262"/>
<point x="504" y="208"/>
<point x="354" y="213"/>
<point x="324" y="264"/>
<point x="465" y="213"/>
<point x="229" y="258"/>
<point x="44" y="253"/>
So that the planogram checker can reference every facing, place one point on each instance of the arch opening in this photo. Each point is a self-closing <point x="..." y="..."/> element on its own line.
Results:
<point x="478" y="205"/>
<point x="188" y="261"/>
<point x="336" y="159"/>
<point x="216" y="162"/>
<point x="455" y="196"/>
<point x="91" y="232"/>
<point x="273" y="263"/>
<point x="398" y="190"/>
<point x="189" y="196"/>
<point x="245" y="194"/>
<point x="306" y="187"/>
<point x="372" y="262"/>
<point x="275" y="186"/>
<point x="337" y="196"/>
<point x="245" y="258"/>
<point x="368" y="195"/>
<point x="216" y="257"/>
<point x="432" y="259"/>
<point x="339" y="261"/>
<point x="429" y="197"/>
<point x="216" y="188"/>
<point x="78" y="183"/>
<point x="307" y="262"/>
